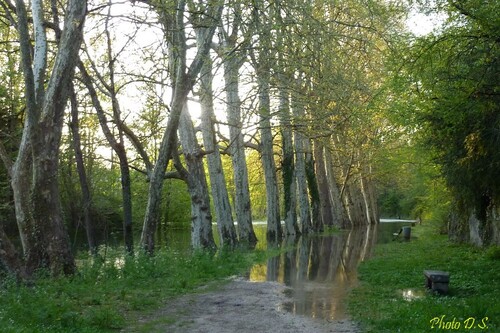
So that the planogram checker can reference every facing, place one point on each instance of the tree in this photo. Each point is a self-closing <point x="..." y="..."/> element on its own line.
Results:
<point x="262" y="66"/>
<point x="454" y="75"/>
<point x="183" y="79"/>
<point x="233" y="60"/>
<point x="201" y="229"/>
<point x="220" y="196"/>
<point x="34" y="173"/>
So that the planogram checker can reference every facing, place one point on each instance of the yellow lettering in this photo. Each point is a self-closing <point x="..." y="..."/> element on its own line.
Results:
<point x="469" y="323"/>
<point x="483" y="323"/>
<point x="435" y="321"/>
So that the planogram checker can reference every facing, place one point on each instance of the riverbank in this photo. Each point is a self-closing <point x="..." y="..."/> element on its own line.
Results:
<point x="391" y="296"/>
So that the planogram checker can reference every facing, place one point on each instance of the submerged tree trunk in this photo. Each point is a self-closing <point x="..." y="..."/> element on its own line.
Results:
<point x="242" y="202"/>
<point x="201" y="228"/>
<point x="220" y="196"/>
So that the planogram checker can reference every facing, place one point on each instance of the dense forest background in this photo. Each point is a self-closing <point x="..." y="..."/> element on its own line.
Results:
<point x="120" y="120"/>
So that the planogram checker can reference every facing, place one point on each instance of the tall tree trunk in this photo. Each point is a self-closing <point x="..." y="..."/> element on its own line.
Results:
<point x="45" y="112"/>
<point x="288" y="163"/>
<point x="220" y="196"/>
<point x="82" y="175"/>
<point x="340" y="218"/>
<point x="312" y="184"/>
<point x="274" y="231"/>
<point x="368" y="191"/>
<point x="201" y="229"/>
<point x="242" y="202"/>
<point x="300" y="169"/>
<point x="183" y="81"/>
<point x="263" y="71"/>
<point x="324" y="192"/>
<point x="119" y="149"/>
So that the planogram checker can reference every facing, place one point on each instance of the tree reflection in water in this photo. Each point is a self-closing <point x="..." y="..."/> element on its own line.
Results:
<point x="320" y="271"/>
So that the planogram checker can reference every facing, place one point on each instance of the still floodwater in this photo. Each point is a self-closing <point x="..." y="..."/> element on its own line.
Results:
<point x="319" y="270"/>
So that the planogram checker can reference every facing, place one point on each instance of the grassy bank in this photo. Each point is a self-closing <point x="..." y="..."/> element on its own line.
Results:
<point x="107" y="295"/>
<point x="391" y="296"/>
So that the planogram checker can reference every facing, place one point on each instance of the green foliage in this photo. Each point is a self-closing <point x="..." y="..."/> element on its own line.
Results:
<point x="493" y="252"/>
<point x="456" y="76"/>
<point x="108" y="293"/>
<point x="392" y="298"/>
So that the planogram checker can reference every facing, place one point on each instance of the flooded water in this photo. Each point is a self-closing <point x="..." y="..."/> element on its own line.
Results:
<point x="319" y="270"/>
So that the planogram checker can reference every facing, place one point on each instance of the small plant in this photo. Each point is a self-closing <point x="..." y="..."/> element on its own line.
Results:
<point x="493" y="252"/>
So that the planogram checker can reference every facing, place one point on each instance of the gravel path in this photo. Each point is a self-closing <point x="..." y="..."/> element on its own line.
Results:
<point x="238" y="307"/>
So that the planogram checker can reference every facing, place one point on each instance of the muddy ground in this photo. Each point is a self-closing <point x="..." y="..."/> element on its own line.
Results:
<point x="239" y="306"/>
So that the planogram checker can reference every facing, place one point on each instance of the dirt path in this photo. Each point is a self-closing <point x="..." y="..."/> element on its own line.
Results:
<point x="238" y="307"/>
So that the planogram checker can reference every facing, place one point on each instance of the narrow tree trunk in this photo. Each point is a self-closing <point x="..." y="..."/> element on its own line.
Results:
<point x="300" y="171"/>
<point x="218" y="186"/>
<point x="119" y="149"/>
<point x="201" y="229"/>
<point x="324" y="192"/>
<point x="288" y="163"/>
<point x="369" y="196"/>
<point x="340" y="218"/>
<point x="312" y="183"/>
<point x="274" y="231"/>
<point x="237" y="149"/>
<point x="82" y="175"/>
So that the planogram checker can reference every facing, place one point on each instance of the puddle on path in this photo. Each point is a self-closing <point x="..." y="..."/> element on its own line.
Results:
<point x="319" y="272"/>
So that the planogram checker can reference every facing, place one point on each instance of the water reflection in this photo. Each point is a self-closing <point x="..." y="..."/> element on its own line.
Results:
<point x="320" y="271"/>
<point x="412" y="294"/>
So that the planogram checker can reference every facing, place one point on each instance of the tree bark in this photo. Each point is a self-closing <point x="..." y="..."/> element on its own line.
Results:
<point x="312" y="184"/>
<point x="45" y="112"/>
<point x="288" y="163"/>
<point x="220" y="196"/>
<point x="300" y="170"/>
<point x="183" y="81"/>
<point x="340" y="218"/>
<point x="274" y="231"/>
<point x="201" y="229"/>
<point x="324" y="192"/>
<point x="242" y="202"/>
<point x="262" y="67"/>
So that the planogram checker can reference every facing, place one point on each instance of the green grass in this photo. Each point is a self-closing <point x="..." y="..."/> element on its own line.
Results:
<point x="107" y="295"/>
<point x="473" y="302"/>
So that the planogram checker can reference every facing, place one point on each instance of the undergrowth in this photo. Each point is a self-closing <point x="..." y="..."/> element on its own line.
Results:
<point x="107" y="294"/>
